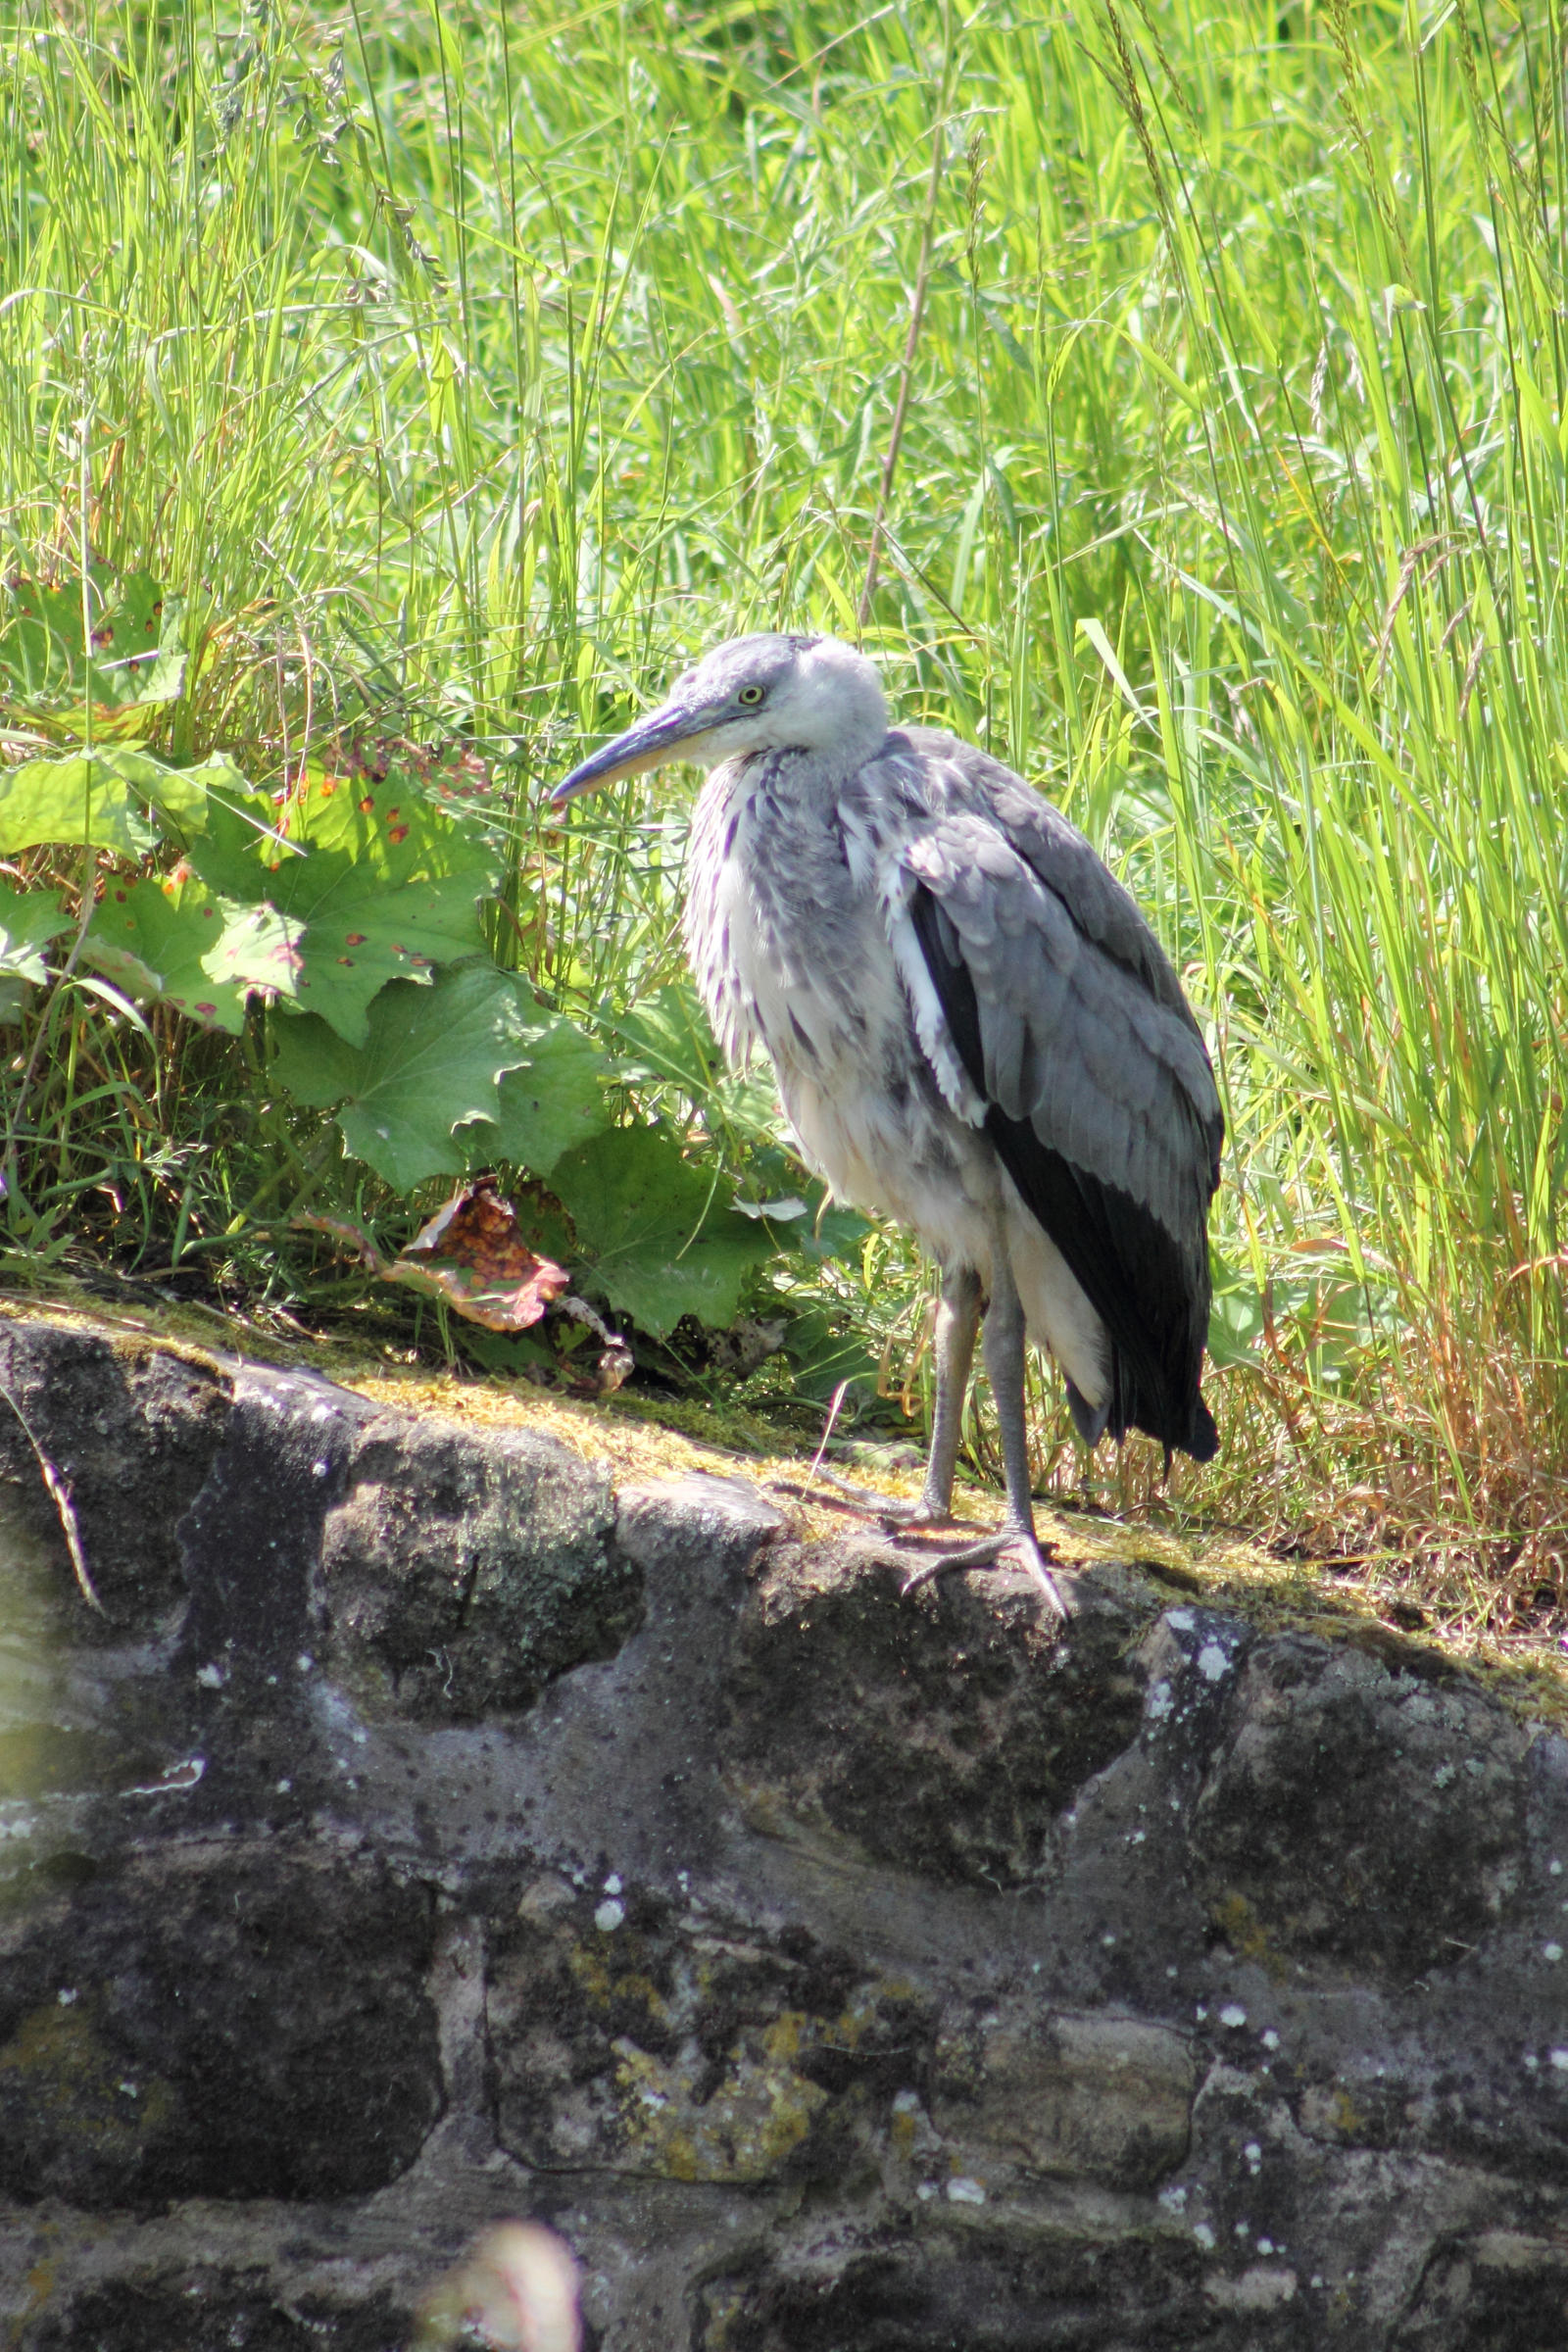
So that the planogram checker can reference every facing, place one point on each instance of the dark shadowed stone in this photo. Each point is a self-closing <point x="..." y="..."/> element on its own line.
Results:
<point x="1500" y="2290"/>
<point x="975" y="2290"/>
<point x="133" y="1429"/>
<point x="466" y="1570"/>
<point x="1485" y="2082"/>
<point x="942" y="1729"/>
<point x="211" y="2310"/>
<point x="228" y="2025"/>
<point x="252" y="1537"/>
<point x="1366" y="1816"/>
<point x="627" y="2035"/>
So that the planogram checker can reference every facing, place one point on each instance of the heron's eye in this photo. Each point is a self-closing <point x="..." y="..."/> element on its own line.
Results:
<point x="751" y="696"/>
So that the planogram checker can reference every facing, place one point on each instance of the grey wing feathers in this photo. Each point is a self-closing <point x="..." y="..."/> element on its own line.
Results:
<point x="1102" y="909"/>
<point x="1071" y="1039"/>
<point x="1069" y="1020"/>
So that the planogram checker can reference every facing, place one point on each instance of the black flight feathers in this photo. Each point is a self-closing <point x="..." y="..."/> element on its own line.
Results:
<point x="1150" y="1289"/>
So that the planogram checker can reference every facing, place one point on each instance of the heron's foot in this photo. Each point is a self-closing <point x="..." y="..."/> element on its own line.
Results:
<point x="864" y="1502"/>
<point x="1011" y="1546"/>
<point x="925" y="1510"/>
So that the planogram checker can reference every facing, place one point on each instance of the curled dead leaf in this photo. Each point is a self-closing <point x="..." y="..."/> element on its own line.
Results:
<point x="471" y="1253"/>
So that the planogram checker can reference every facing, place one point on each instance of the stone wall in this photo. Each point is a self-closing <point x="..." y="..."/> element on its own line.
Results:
<point x="422" y="1833"/>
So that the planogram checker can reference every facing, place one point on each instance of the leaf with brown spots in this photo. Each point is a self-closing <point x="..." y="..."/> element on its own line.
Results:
<point x="134" y="658"/>
<point x="164" y="941"/>
<point x="364" y="905"/>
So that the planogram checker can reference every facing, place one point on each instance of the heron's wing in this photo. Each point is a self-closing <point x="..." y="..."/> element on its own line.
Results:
<point x="959" y="780"/>
<point x="1071" y="1029"/>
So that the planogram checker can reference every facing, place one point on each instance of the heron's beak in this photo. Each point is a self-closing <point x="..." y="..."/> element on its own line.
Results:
<point x="659" y="737"/>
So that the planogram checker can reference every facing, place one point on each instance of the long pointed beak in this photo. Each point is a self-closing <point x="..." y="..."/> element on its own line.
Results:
<point x="649" y="743"/>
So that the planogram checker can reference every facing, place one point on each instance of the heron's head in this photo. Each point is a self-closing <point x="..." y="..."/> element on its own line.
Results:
<point x="755" y="694"/>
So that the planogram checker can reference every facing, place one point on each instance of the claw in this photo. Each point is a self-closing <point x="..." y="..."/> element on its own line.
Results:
<point x="1009" y="1546"/>
<point x="1012" y="1545"/>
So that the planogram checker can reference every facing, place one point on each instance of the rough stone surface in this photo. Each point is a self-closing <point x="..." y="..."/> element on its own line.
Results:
<point x="133" y="1431"/>
<point x="1314" y="1748"/>
<point x="471" y="1571"/>
<point x="231" y="2020"/>
<point x="424" y="1835"/>
<point x="911" y="1731"/>
<point x="1080" y="2097"/>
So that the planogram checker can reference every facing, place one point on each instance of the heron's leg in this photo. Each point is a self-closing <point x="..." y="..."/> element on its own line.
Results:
<point x="1004" y="1369"/>
<point x="1015" y="1538"/>
<point x="957" y="1322"/>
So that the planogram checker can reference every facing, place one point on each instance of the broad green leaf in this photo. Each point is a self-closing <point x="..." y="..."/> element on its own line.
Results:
<point x="136" y="655"/>
<point x="399" y="812"/>
<point x="429" y="1063"/>
<point x="746" y="1103"/>
<point x="833" y="1231"/>
<point x="27" y="919"/>
<point x="40" y="643"/>
<point x="311" y="1063"/>
<point x="661" y="1236"/>
<point x="259" y="949"/>
<point x="669" y="1040"/>
<point x="179" y="794"/>
<point x="508" y="1352"/>
<point x="551" y="1103"/>
<point x="396" y="895"/>
<point x="356" y="932"/>
<point x="824" y="1349"/>
<point x="819" y="1228"/>
<point x="89" y="796"/>
<point x="157" y="938"/>
<point x="117" y="796"/>
<point x="1236" y="1315"/>
<point x="241" y="844"/>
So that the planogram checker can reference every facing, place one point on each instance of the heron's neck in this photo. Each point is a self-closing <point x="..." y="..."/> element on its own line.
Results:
<point x="817" y="772"/>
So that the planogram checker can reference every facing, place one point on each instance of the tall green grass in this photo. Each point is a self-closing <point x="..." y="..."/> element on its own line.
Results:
<point x="465" y="369"/>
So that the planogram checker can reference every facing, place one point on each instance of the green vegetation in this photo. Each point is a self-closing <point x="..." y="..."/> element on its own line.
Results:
<point x="1177" y="401"/>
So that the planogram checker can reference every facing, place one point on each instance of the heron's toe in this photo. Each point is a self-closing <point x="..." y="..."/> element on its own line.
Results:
<point x="1011" y="1546"/>
<point x="1023" y="1550"/>
<point x="924" y="1511"/>
<point x="833" y="1493"/>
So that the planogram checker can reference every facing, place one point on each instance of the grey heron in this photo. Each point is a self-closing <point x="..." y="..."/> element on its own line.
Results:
<point x="973" y="1029"/>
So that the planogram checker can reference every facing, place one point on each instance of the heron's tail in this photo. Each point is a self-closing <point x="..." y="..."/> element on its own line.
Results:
<point x="1169" y="1407"/>
<point x="1204" y="1441"/>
